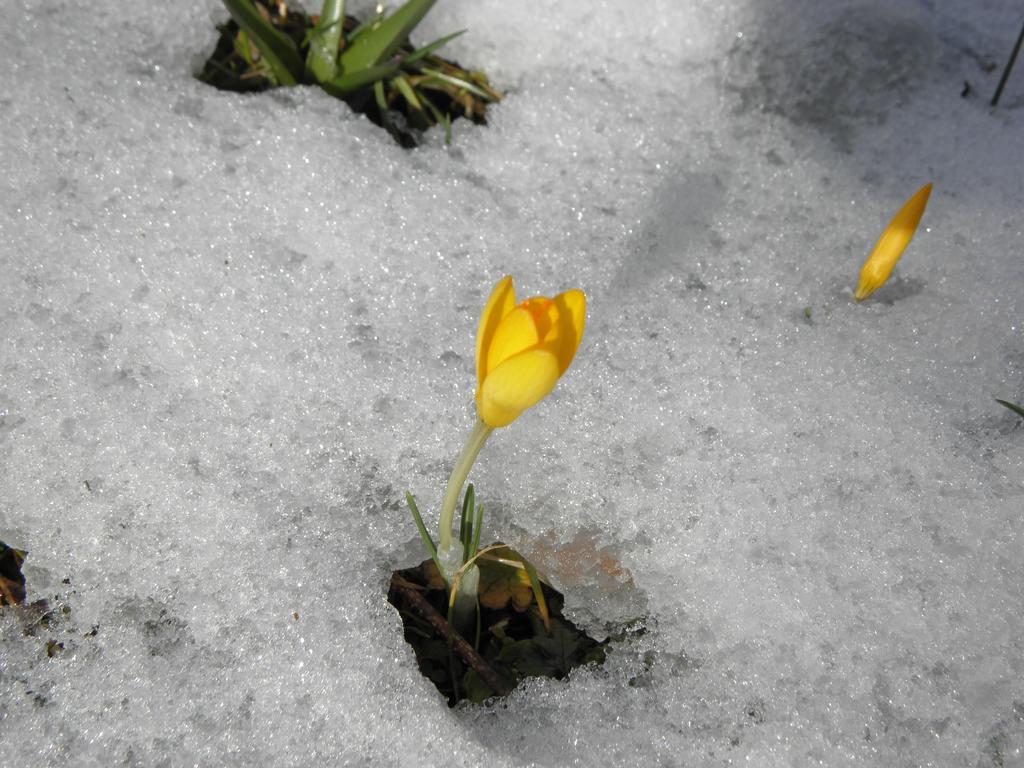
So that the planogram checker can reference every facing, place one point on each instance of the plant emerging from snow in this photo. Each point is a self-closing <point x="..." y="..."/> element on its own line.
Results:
<point x="371" y="65"/>
<point x="521" y="352"/>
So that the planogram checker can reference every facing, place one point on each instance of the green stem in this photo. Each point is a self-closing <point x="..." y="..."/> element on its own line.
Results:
<point x="321" y="61"/>
<point x="451" y="494"/>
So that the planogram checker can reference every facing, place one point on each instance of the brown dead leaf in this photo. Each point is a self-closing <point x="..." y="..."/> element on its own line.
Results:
<point x="12" y="581"/>
<point x="504" y="580"/>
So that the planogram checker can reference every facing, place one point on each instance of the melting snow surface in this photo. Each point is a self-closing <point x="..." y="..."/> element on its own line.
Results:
<point x="235" y="329"/>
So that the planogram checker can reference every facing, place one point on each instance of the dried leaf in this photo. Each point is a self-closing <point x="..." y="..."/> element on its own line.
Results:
<point x="500" y="585"/>
<point x="12" y="581"/>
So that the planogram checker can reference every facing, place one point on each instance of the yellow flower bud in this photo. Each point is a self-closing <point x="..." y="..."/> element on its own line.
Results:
<point x="522" y="350"/>
<point x="891" y="244"/>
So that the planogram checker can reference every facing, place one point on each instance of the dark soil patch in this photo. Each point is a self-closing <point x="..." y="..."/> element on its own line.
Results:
<point x="513" y="644"/>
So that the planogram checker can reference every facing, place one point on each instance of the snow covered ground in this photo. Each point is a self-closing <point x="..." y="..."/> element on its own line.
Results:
<point x="235" y="329"/>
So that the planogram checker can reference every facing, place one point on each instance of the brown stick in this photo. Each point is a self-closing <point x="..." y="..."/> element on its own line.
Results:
<point x="458" y="643"/>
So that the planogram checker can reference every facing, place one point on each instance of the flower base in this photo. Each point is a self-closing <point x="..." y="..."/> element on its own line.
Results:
<point x="510" y="643"/>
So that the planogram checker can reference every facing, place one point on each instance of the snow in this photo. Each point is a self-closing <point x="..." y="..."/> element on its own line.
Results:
<point x="235" y="329"/>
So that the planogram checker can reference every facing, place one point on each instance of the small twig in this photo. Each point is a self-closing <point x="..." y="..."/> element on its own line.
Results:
<point x="458" y="644"/>
<point x="1009" y="66"/>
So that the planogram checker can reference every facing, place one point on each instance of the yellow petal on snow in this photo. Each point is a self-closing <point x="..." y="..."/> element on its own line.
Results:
<point x="568" y="314"/>
<point x="515" y="385"/>
<point x="891" y="244"/>
<point x="500" y="303"/>
<point x="516" y="332"/>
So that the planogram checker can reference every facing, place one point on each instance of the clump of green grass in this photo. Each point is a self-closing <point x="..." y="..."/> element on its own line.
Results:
<point x="370" y="64"/>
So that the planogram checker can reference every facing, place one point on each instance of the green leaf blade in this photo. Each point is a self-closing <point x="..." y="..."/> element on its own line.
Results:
<point x="538" y="594"/>
<point x="427" y="541"/>
<point x="379" y="43"/>
<point x="426" y="50"/>
<point x="408" y="93"/>
<point x="276" y="48"/>
<point x="458" y="82"/>
<point x="345" y="84"/>
<point x="322" y="58"/>
<point x="477" y="526"/>
<point x="466" y="521"/>
<point x="1019" y="410"/>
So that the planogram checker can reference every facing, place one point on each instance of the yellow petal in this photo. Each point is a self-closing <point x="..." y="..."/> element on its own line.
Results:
<point x="515" y="385"/>
<point x="543" y="311"/>
<point x="500" y="303"/>
<point x="891" y="244"/>
<point x="516" y="332"/>
<point x="568" y="314"/>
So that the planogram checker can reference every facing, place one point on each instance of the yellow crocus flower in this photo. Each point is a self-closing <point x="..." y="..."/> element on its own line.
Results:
<point x="891" y="244"/>
<point x="522" y="350"/>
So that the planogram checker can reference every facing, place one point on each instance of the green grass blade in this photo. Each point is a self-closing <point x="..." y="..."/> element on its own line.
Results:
<point x="538" y="594"/>
<point x="380" y="42"/>
<point x="240" y="44"/>
<point x="458" y="82"/>
<point x="1009" y="66"/>
<point x="426" y="50"/>
<point x="276" y="48"/>
<point x="363" y="26"/>
<point x="1019" y="410"/>
<point x="382" y="106"/>
<point x="408" y="93"/>
<point x="437" y="113"/>
<point x="427" y="541"/>
<point x="477" y="526"/>
<point x="322" y="59"/>
<point x="378" y="95"/>
<point x="346" y="83"/>
<point x="466" y="521"/>
<point x="439" y="116"/>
